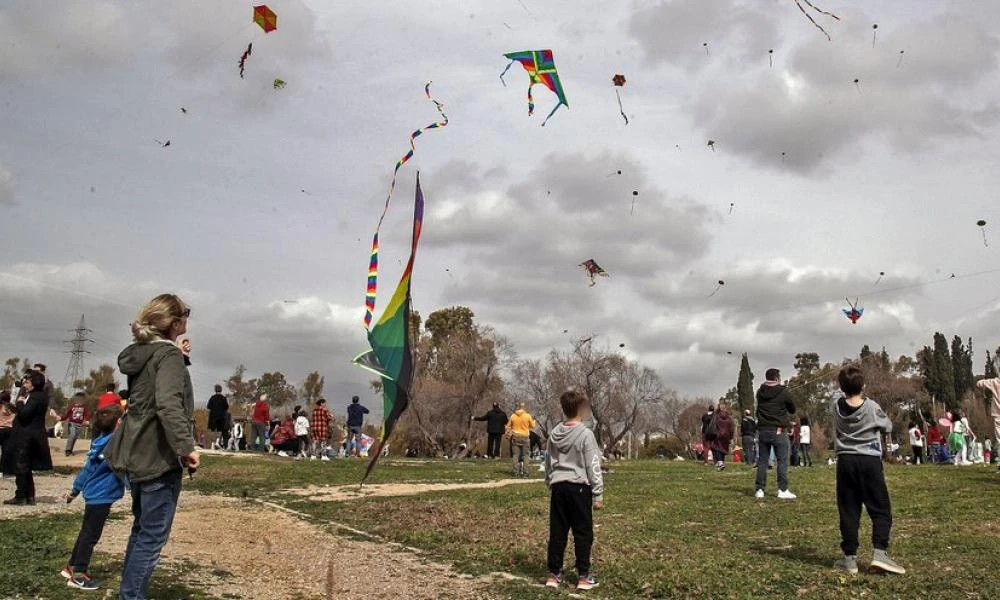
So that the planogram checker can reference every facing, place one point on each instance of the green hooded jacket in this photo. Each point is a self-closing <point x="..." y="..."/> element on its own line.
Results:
<point x="158" y="426"/>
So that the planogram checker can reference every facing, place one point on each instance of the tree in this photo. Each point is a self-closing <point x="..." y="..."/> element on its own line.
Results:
<point x="312" y="388"/>
<point x="241" y="392"/>
<point x="13" y="370"/>
<point x="937" y="371"/>
<point x="96" y="382"/>
<point x="279" y="392"/>
<point x="961" y="360"/>
<point x="744" y="386"/>
<point x="990" y="371"/>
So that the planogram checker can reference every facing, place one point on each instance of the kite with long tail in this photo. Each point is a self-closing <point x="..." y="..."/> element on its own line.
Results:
<point x="541" y="68"/>
<point x="820" y="11"/>
<point x="373" y="263"/>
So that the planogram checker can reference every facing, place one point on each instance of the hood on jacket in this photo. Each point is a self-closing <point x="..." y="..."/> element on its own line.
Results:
<point x="133" y="359"/>
<point x="770" y="390"/>
<point x="565" y="436"/>
<point x="520" y="412"/>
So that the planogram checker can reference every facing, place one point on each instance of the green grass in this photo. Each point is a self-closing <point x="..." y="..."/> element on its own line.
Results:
<point x="34" y="548"/>
<point x="683" y="530"/>
<point x="261" y="476"/>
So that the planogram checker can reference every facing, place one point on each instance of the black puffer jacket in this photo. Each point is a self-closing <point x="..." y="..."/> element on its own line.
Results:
<point x="774" y="404"/>
<point x="28" y="446"/>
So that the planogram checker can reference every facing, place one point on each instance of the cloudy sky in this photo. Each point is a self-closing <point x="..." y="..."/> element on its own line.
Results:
<point x="816" y="185"/>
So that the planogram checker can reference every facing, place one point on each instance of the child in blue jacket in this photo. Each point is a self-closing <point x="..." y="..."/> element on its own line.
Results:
<point x="101" y="488"/>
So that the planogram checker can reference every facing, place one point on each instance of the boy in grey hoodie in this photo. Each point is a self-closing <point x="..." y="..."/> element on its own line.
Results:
<point x="573" y="474"/>
<point x="860" y="425"/>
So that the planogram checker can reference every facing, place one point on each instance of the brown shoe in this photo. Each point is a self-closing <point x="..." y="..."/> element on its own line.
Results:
<point x="15" y="502"/>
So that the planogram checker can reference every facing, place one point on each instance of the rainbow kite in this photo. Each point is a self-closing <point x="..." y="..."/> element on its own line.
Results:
<point x="373" y="263"/>
<point x="541" y="68"/>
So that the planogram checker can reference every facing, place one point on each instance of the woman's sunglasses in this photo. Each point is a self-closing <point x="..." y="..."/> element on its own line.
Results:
<point x="186" y="314"/>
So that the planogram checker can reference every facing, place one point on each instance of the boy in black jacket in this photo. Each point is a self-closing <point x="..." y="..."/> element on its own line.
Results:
<point x="774" y="404"/>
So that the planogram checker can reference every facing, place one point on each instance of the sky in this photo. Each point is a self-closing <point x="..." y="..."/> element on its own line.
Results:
<point x="260" y="211"/>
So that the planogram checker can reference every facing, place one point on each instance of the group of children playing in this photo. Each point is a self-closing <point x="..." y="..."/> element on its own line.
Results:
<point x="576" y="484"/>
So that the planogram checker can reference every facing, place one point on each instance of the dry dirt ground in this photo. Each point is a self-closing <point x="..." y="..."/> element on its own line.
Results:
<point x="352" y="492"/>
<point x="249" y="550"/>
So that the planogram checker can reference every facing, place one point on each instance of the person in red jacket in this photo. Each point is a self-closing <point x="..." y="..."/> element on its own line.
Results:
<point x="108" y="398"/>
<point x="259" y="421"/>
<point x="935" y="440"/>
<point x="321" y="421"/>
<point x="76" y="416"/>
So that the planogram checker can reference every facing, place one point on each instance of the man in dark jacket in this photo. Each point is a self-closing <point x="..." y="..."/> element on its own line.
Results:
<point x="355" y="421"/>
<point x="774" y="404"/>
<point x="748" y="429"/>
<point x="496" y="424"/>
<point x="218" y="406"/>
<point x="706" y="421"/>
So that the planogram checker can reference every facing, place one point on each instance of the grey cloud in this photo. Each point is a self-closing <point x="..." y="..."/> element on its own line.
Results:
<point x="6" y="188"/>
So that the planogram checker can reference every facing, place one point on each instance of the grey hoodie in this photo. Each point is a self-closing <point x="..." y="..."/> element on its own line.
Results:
<point x="573" y="457"/>
<point x="860" y="432"/>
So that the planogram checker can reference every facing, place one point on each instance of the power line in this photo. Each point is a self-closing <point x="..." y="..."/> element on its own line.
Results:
<point x="74" y="371"/>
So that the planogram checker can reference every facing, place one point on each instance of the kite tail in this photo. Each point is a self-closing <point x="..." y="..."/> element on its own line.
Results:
<point x="620" y="109"/>
<point x="820" y="10"/>
<point x="505" y="72"/>
<point x="813" y="21"/>
<point x="531" y="102"/>
<point x="551" y="113"/>
<point x="372" y="288"/>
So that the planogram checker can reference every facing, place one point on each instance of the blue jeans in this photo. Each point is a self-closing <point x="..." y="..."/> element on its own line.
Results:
<point x="353" y="439"/>
<point x="153" y="506"/>
<point x="767" y="440"/>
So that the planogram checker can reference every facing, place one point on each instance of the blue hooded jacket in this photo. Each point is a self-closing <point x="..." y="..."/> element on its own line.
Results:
<point x="99" y="484"/>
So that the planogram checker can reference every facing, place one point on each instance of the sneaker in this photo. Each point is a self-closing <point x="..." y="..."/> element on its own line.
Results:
<point x="82" y="581"/>
<point x="759" y="495"/>
<point x="313" y="457"/>
<point x="282" y="453"/>
<point x="324" y="457"/>
<point x="15" y="502"/>
<point x="586" y="583"/>
<point x="719" y="466"/>
<point x="67" y="572"/>
<point x="882" y="562"/>
<point x="848" y="563"/>
<point x="553" y="581"/>
<point x="786" y="495"/>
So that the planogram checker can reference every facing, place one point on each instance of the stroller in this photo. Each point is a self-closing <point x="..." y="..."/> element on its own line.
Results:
<point x="943" y="456"/>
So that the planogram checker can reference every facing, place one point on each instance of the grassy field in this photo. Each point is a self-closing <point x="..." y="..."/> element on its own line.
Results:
<point x="684" y="530"/>
<point x="670" y="530"/>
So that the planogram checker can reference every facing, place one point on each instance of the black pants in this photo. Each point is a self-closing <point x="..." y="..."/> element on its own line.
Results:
<point x="25" y="483"/>
<point x="94" y="518"/>
<point x="918" y="455"/>
<point x="571" y="507"/>
<point x="807" y="460"/>
<point x="860" y="481"/>
<point x="493" y="445"/>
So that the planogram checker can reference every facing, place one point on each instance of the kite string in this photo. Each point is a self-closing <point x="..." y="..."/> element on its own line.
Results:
<point x="373" y="262"/>
<point x="813" y="21"/>
<point x="620" y="109"/>
<point x="820" y="10"/>
<point x="505" y="72"/>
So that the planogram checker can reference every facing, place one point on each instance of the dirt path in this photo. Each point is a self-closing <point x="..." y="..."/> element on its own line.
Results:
<point x="251" y="551"/>
<point x="353" y="492"/>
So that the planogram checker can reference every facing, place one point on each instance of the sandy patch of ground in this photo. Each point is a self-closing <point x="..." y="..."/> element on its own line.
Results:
<point x="249" y="550"/>
<point x="354" y="492"/>
<point x="49" y="489"/>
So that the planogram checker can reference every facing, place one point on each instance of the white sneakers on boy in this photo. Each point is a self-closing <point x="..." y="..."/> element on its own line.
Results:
<point x="759" y="495"/>
<point x="786" y="495"/>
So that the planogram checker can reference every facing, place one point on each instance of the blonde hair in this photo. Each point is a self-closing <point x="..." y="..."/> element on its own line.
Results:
<point x="156" y="317"/>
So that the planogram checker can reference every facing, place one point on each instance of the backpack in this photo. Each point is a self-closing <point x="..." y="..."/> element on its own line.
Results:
<point x="712" y="431"/>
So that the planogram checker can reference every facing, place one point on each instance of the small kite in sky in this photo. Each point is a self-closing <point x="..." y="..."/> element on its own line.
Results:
<point x="900" y="61"/>
<point x="854" y="313"/>
<point x="541" y="68"/>
<point x="279" y="83"/>
<point x="618" y="172"/>
<point x="711" y="144"/>
<point x="732" y="205"/>
<point x="184" y="110"/>
<point x="881" y="274"/>
<point x="717" y="288"/>
<point x="265" y="17"/>
<point x="593" y="270"/>
<point x="243" y="58"/>
<point x="981" y="223"/>
<point x="770" y="58"/>
<point x="635" y="194"/>
<point x="162" y="144"/>
<point x="874" y="33"/>
<point x="619" y="81"/>
<point x="820" y="11"/>
<point x="857" y="84"/>
<point x="705" y="45"/>
<point x="783" y="156"/>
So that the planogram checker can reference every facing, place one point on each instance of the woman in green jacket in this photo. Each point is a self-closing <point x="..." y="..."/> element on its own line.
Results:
<point x="155" y="440"/>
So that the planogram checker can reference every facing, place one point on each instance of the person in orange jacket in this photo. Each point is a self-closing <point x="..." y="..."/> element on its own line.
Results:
<point x="519" y="428"/>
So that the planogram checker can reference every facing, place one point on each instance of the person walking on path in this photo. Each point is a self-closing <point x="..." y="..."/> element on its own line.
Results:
<point x="27" y="450"/>
<point x="805" y="441"/>
<point x="260" y="423"/>
<point x="155" y="439"/>
<point x="722" y="436"/>
<point x="218" y="408"/>
<point x="320" y="429"/>
<point x="519" y="428"/>
<point x="748" y="431"/>
<point x="916" y="443"/>
<point x="75" y="417"/>
<point x="774" y="404"/>
<point x="860" y="425"/>
<point x="573" y="474"/>
<point x="496" y="424"/>
<point x="101" y="487"/>
<point x="706" y="444"/>
<point x="355" y="423"/>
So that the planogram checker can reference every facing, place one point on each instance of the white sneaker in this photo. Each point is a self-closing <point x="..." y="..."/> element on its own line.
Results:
<point x="282" y="453"/>
<point x="324" y="457"/>
<point x="759" y="495"/>
<point x="786" y="495"/>
<point x="312" y="457"/>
